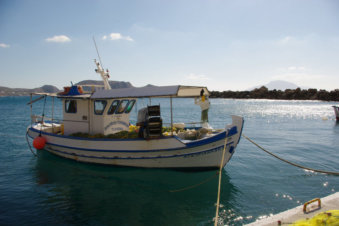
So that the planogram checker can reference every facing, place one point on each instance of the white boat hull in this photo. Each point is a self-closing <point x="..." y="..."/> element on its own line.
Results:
<point x="166" y="152"/>
<point x="336" y="111"/>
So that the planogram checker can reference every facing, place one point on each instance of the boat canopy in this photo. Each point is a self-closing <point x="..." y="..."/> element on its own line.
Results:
<point x="151" y="91"/>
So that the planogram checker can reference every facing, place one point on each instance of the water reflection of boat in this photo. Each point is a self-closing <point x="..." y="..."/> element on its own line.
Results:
<point x="96" y="128"/>
<point x="97" y="194"/>
<point x="336" y="112"/>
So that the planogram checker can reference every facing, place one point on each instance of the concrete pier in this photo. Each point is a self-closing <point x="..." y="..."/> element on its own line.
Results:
<point x="330" y="202"/>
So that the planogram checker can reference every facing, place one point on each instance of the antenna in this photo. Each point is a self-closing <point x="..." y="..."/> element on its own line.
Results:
<point x="95" y="44"/>
<point x="100" y="70"/>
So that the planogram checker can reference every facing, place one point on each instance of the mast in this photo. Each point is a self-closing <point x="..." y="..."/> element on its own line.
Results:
<point x="104" y="74"/>
<point x="100" y="70"/>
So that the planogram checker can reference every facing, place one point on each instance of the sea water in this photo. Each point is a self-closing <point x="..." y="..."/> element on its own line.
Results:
<point x="51" y="190"/>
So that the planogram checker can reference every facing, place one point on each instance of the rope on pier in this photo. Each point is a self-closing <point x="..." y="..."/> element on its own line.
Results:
<point x="291" y="163"/>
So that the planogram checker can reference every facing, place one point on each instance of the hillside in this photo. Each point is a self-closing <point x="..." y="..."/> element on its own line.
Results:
<point x="113" y="84"/>
<point x="6" y="91"/>
<point x="277" y="85"/>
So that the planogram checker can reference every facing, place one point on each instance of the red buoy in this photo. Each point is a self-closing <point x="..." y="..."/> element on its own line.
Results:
<point x="39" y="142"/>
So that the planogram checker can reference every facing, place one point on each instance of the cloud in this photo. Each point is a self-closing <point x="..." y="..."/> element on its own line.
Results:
<point x="285" y="40"/>
<point x="302" y="76"/>
<point x="117" y="36"/>
<point x="196" y="77"/>
<point x="296" y="69"/>
<point x="297" y="77"/>
<point x="58" y="39"/>
<point x="3" y="45"/>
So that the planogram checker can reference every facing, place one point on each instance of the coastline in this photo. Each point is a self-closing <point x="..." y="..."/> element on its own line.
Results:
<point x="288" y="94"/>
<point x="258" y="93"/>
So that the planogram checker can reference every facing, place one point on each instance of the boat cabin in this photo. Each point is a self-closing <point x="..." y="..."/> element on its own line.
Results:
<point x="96" y="116"/>
<point x="108" y="111"/>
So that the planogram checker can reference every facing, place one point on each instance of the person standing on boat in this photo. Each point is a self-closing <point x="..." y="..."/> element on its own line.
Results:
<point x="204" y="104"/>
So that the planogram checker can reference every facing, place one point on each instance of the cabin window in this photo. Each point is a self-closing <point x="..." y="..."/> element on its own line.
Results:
<point x="130" y="106"/>
<point x="122" y="106"/>
<point x="113" y="107"/>
<point x="70" y="106"/>
<point x="99" y="106"/>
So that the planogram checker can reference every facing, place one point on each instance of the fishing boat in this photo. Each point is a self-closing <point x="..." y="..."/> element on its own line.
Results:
<point x="336" y="111"/>
<point x="96" y="128"/>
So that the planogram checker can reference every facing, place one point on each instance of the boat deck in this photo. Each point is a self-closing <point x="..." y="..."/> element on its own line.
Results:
<point x="188" y="134"/>
<point x="330" y="202"/>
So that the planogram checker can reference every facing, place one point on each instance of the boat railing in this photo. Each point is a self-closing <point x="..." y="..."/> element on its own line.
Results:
<point x="192" y="124"/>
<point x="46" y="124"/>
<point x="91" y="88"/>
<point x="41" y="119"/>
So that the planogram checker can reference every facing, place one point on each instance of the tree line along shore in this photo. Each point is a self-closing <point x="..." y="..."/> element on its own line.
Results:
<point x="258" y="93"/>
<point x="288" y="94"/>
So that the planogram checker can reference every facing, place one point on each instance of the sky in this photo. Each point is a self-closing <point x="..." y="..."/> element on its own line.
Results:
<point x="221" y="44"/>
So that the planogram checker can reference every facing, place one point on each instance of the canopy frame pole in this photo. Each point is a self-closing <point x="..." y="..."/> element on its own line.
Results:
<point x="171" y="116"/>
<point x="31" y="97"/>
<point x="89" y="115"/>
<point x="53" y="114"/>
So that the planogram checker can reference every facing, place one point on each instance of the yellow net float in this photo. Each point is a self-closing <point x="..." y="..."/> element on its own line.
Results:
<point x="330" y="217"/>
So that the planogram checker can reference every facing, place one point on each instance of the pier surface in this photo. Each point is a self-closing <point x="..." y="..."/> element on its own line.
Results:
<point x="330" y="202"/>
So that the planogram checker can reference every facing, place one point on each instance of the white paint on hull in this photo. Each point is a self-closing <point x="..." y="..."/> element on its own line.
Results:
<point x="155" y="153"/>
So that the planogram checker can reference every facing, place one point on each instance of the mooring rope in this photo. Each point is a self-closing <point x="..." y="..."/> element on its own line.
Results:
<point x="195" y="185"/>
<point x="29" y="145"/>
<point x="219" y="183"/>
<point x="291" y="163"/>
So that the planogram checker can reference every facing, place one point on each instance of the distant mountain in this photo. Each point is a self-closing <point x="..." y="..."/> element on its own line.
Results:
<point x="278" y="85"/>
<point x="113" y="84"/>
<point x="47" y="89"/>
<point x="150" y="85"/>
<point x="6" y="91"/>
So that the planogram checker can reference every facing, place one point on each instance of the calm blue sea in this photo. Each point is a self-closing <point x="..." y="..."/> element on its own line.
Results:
<point x="55" y="191"/>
